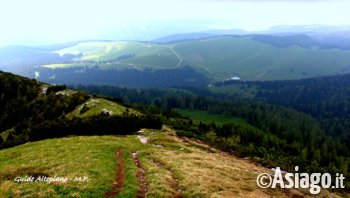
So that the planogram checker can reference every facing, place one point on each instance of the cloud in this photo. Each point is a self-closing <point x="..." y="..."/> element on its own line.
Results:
<point x="62" y="20"/>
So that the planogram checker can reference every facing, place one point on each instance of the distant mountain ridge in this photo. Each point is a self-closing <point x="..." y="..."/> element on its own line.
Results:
<point x="210" y="56"/>
<point x="183" y="37"/>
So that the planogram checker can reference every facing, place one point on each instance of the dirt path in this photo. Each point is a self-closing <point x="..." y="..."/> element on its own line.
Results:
<point x="177" y="55"/>
<point x="140" y="175"/>
<point x="261" y="75"/>
<point x="120" y="175"/>
<point x="175" y="181"/>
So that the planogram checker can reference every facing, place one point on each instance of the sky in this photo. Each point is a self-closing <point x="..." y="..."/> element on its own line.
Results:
<point x="29" y="22"/>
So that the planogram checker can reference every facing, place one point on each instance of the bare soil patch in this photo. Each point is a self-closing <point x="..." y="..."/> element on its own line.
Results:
<point x="118" y="182"/>
<point x="140" y="175"/>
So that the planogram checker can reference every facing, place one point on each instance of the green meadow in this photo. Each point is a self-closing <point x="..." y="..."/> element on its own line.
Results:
<point x="206" y="117"/>
<point x="218" y="58"/>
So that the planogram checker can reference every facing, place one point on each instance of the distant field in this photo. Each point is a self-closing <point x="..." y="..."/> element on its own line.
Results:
<point x="205" y="117"/>
<point x="219" y="58"/>
<point x="248" y="59"/>
<point x="142" y="54"/>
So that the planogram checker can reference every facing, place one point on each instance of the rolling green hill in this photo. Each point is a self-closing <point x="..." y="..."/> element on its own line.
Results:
<point x="218" y="58"/>
<point x="251" y="60"/>
<point x="147" y="64"/>
<point x="134" y="55"/>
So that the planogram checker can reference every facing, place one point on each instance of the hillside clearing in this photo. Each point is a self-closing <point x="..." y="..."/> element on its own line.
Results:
<point x="206" y="117"/>
<point x="96" y="106"/>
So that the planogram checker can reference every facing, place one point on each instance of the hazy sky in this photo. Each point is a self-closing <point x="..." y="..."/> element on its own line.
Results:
<point x="53" y="21"/>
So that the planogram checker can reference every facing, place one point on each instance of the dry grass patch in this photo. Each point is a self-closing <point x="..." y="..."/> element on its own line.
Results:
<point x="203" y="171"/>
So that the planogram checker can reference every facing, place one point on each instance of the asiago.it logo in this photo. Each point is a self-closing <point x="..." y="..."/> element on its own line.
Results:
<point x="314" y="181"/>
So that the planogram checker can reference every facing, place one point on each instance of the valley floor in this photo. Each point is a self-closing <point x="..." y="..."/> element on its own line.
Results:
<point x="151" y="164"/>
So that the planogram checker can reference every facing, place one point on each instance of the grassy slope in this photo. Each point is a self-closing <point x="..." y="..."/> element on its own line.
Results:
<point x="146" y="55"/>
<point x="249" y="59"/>
<point x="220" y="58"/>
<point x="95" y="106"/>
<point x="66" y="157"/>
<point x="172" y="165"/>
